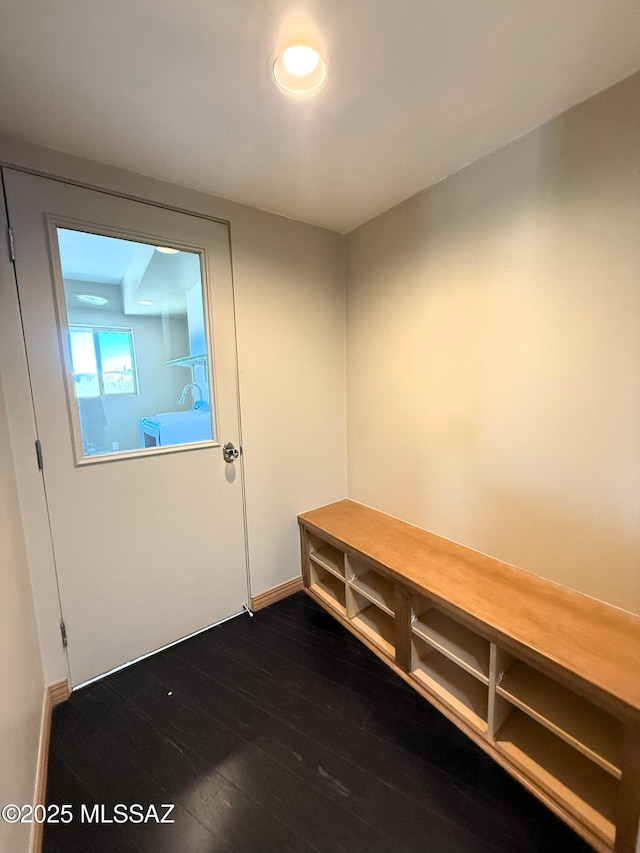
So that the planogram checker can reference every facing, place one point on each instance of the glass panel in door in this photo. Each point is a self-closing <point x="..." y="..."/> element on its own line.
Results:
<point x="134" y="339"/>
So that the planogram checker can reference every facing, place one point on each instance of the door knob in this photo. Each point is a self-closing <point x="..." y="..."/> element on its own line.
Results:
<point x="229" y="452"/>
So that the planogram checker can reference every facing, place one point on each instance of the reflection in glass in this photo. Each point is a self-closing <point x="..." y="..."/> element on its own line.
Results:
<point x="102" y="361"/>
<point x="84" y="362"/>
<point x="136" y="344"/>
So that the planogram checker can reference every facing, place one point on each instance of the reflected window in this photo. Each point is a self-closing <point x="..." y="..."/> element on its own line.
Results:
<point x="135" y="337"/>
<point x="102" y="361"/>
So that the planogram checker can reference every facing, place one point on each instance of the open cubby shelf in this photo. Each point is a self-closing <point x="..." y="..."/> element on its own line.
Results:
<point x="377" y="626"/>
<point x="329" y="589"/>
<point x="460" y="644"/>
<point x="329" y="558"/>
<point x="377" y="589"/>
<point x="593" y="732"/>
<point x="540" y="676"/>
<point x="450" y="682"/>
<point x="572" y="780"/>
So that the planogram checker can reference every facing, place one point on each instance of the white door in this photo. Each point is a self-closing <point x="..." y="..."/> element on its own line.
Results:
<point x="129" y="326"/>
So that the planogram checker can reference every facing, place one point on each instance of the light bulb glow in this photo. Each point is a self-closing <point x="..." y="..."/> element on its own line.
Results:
<point x="300" y="60"/>
<point x="167" y="250"/>
<point x="300" y="70"/>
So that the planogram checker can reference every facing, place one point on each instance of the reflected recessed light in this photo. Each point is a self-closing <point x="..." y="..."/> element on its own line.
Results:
<point x="300" y="70"/>
<point x="91" y="299"/>
<point x="145" y="302"/>
<point x="167" y="250"/>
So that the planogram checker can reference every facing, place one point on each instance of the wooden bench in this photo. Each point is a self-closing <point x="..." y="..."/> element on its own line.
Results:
<point x="546" y="680"/>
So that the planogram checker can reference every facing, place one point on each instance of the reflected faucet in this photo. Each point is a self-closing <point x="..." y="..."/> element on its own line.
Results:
<point x="193" y="388"/>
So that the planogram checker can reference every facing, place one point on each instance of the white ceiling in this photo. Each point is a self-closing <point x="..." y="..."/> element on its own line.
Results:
<point x="416" y="89"/>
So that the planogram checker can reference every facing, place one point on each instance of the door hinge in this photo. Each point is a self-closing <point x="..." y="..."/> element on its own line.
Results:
<point x="63" y="631"/>
<point x="12" y="248"/>
<point x="39" y="455"/>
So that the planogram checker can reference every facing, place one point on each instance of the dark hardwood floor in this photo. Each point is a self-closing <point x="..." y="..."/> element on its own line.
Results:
<point x="281" y="733"/>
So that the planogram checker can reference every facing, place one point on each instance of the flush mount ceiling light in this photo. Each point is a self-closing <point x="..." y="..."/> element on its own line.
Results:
<point x="91" y="299"/>
<point x="300" y="70"/>
<point x="167" y="250"/>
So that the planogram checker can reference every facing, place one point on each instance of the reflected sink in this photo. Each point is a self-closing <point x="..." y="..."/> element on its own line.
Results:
<point x="182" y="427"/>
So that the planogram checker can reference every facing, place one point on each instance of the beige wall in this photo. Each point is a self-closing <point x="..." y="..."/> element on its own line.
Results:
<point x="291" y="328"/>
<point x="21" y="677"/>
<point x="493" y="352"/>
<point x="289" y="291"/>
